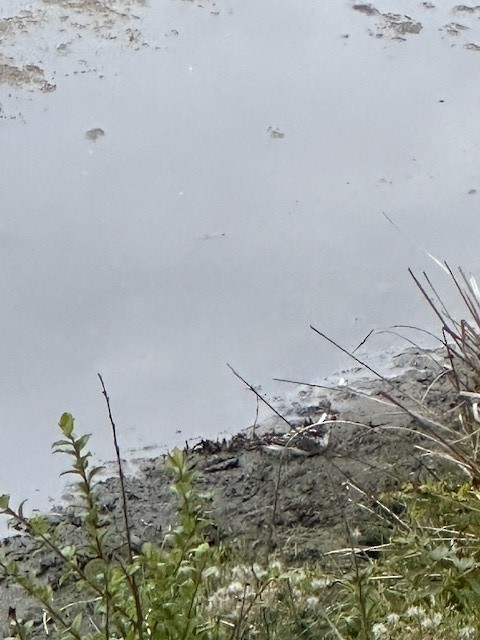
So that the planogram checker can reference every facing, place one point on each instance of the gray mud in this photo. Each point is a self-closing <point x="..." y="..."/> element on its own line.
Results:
<point x="393" y="25"/>
<point x="35" y="38"/>
<point x="371" y="449"/>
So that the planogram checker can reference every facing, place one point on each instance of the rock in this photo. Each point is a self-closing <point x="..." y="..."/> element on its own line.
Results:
<point x="94" y="134"/>
<point x="222" y="465"/>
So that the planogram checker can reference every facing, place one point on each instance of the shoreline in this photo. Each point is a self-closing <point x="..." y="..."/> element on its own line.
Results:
<point x="371" y="449"/>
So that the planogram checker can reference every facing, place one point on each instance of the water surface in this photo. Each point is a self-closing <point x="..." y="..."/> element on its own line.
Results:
<point x="236" y="197"/>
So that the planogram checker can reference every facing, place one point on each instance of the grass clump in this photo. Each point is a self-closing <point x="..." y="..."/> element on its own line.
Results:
<point x="418" y="580"/>
<point x="153" y="593"/>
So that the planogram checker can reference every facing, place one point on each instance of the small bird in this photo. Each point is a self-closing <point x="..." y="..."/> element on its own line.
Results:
<point x="309" y="440"/>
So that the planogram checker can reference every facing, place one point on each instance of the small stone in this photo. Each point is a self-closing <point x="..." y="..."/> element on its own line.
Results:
<point x="94" y="134"/>
<point x="367" y="9"/>
<point x="275" y="132"/>
<point x="222" y="465"/>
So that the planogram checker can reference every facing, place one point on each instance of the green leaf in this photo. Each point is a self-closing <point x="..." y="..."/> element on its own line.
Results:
<point x="83" y="487"/>
<point x="76" y="623"/>
<point x="66" y="424"/>
<point x="439" y="553"/>
<point x="93" y="472"/>
<point x="202" y="549"/>
<point x="463" y="563"/>
<point x="474" y="585"/>
<point x="68" y="551"/>
<point x="130" y="569"/>
<point x="209" y="571"/>
<point x="82" y="441"/>
<point x="4" y="501"/>
<point x="77" y="471"/>
<point x="63" y="446"/>
<point x="20" y="508"/>
<point x="176" y="460"/>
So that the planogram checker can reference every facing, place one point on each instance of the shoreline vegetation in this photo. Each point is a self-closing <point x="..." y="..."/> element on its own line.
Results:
<point x="353" y="514"/>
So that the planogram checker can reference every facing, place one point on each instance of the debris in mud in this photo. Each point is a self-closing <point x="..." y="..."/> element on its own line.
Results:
<point x="134" y="37"/>
<point x="307" y="436"/>
<point x="30" y="74"/>
<point x="367" y="9"/>
<point x="201" y="3"/>
<point x="275" y="132"/>
<point x="428" y="5"/>
<point x="399" y="25"/>
<point x="466" y="9"/>
<point x="298" y="505"/>
<point x="222" y="464"/>
<point x="215" y="236"/>
<point x="454" y="28"/>
<point x="393" y="24"/>
<point x="310" y="440"/>
<point x="471" y="192"/>
<point x="94" y="134"/>
<point x="472" y="46"/>
<point x="94" y="6"/>
<point x="371" y="447"/>
<point x="62" y="21"/>
<point x="62" y="47"/>
<point x="19" y="23"/>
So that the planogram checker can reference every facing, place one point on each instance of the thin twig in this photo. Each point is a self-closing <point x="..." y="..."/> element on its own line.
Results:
<point x="432" y="305"/>
<point x="120" y="471"/>
<point x="272" y="531"/>
<point x="425" y="331"/>
<point x="362" y="363"/>
<point x="364" y="340"/>
<point x="306" y="384"/>
<point x="260" y="397"/>
<point x="128" y="533"/>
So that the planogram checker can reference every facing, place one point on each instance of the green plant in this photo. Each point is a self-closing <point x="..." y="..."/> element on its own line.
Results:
<point x="155" y="593"/>
<point x="419" y="581"/>
<point x="439" y="556"/>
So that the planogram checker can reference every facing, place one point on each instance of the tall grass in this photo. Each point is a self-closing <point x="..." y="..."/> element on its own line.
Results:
<point x="422" y="582"/>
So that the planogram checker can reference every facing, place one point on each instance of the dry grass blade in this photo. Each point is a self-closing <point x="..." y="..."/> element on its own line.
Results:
<point x="363" y="364"/>
<point x="439" y="315"/>
<point x="466" y="298"/>
<point x="459" y="443"/>
<point x="271" y="542"/>
<point x="262" y="399"/>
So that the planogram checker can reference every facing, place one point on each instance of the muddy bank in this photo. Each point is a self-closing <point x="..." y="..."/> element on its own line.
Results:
<point x="371" y="448"/>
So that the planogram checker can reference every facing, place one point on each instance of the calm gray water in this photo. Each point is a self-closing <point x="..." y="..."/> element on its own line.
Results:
<point x="236" y="197"/>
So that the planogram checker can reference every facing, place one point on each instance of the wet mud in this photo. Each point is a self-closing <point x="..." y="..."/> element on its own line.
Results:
<point x="393" y="25"/>
<point x="29" y="75"/>
<point x="398" y="26"/>
<point x="371" y="448"/>
<point x="267" y="500"/>
<point x="51" y="29"/>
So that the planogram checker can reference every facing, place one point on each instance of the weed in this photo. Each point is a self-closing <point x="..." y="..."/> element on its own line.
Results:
<point x="420" y="580"/>
<point x="155" y="593"/>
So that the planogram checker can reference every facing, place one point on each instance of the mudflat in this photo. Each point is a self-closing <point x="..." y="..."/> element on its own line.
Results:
<point x="263" y="498"/>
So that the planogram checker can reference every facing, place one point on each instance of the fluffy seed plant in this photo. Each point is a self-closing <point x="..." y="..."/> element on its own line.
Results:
<point x="426" y="582"/>
<point x="422" y="581"/>
<point x="99" y="593"/>
<point x="440" y="553"/>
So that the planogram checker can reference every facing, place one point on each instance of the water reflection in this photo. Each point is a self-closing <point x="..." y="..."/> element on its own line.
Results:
<point x="235" y="198"/>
